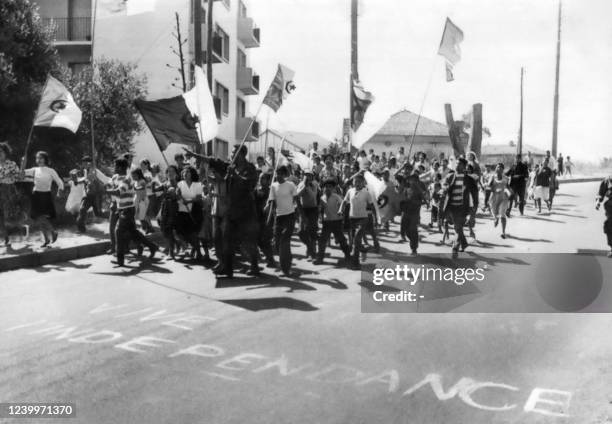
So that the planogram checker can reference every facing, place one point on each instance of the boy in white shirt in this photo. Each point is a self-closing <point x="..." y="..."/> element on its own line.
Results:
<point x="283" y="195"/>
<point x="332" y="222"/>
<point x="360" y="201"/>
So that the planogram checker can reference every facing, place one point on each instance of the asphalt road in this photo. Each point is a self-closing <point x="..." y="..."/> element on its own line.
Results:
<point x="165" y="342"/>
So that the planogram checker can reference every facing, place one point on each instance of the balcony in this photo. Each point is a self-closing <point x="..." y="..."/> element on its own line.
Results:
<point x="247" y="82"/>
<point x="242" y="125"/>
<point x="72" y="30"/>
<point x="247" y="33"/>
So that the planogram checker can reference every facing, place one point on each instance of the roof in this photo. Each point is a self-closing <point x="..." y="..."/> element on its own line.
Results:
<point x="508" y="149"/>
<point x="303" y="140"/>
<point x="403" y="122"/>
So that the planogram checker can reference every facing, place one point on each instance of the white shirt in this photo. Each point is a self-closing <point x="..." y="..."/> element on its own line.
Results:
<point x="358" y="200"/>
<point x="283" y="194"/>
<point x="364" y="162"/>
<point x="44" y="178"/>
<point x="188" y="193"/>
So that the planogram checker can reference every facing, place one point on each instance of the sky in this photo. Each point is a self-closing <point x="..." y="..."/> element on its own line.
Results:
<point x="398" y="42"/>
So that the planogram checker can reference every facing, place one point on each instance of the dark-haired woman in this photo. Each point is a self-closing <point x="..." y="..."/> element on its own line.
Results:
<point x="189" y="218"/>
<point x="9" y="209"/>
<point x="42" y="206"/>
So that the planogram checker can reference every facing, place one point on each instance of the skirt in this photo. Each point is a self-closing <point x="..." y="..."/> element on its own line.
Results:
<point x="42" y="205"/>
<point x="541" y="192"/>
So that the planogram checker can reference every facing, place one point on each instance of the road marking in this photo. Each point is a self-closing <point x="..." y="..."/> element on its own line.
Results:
<point x="222" y="376"/>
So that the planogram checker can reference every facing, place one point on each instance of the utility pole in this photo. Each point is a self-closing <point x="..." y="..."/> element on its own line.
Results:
<point x="354" y="71"/>
<point x="519" y="145"/>
<point x="556" y="105"/>
<point x="209" y="44"/>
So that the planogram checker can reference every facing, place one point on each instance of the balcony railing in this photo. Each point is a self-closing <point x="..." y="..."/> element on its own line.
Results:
<point x="70" y="29"/>
<point x="242" y="125"/>
<point x="247" y="82"/>
<point x="247" y="33"/>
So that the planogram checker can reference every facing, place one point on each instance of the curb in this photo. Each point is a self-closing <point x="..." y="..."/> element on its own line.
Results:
<point x="581" y="180"/>
<point x="64" y="254"/>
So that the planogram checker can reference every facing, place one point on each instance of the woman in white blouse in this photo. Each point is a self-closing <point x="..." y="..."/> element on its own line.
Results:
<point x="189" y="217"/>
<point x="42" y="208"/>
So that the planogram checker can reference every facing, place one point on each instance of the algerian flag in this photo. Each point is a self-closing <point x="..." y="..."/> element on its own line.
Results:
<point x="280" y="88"/>
<point x="113" y="8"/>
<point x="449" y="47"/>
<point x="57" y="107"/>
<point x="199" y="100"/>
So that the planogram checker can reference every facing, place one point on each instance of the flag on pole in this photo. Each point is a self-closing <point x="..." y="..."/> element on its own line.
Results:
<point x="360" y="101"/>
<point x="297" y="158"/>
<point x="280" y="88"/>
<point x="57" y="107"/>
<point x="449" y="47"/>
<point x="115" y="8"/>
<point x="200" y="100"/>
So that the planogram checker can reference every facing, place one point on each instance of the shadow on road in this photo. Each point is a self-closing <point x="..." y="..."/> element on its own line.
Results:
<point x="268" y="303"/>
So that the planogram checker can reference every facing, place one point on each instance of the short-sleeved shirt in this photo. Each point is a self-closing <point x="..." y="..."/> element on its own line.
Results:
<point x="189" y="192"/>
<point x="283" y="194"/>
<point x="330" y="206"/>
<point x="308" y="194"/>
<point x="358" y="201"/>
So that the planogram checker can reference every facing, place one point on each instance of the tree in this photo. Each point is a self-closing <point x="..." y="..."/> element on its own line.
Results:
<point x="27" y="56"/>
<point x="110" y="98"/>
<point x="180" y="41"/>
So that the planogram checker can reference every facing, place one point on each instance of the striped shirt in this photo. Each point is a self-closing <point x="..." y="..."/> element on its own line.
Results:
<point x="456" y="194"/>
<point x="127" y="193"/>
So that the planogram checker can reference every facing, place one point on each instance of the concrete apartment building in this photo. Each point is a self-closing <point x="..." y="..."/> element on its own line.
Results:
<point x="146" y="39"/>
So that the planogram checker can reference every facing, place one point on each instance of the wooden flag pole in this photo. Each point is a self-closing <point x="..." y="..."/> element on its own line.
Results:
<point x="519" y="147"/>
<point x="246" y="134"/>
<point x="29" y="139"/>
<point x="93" y="73"/>
<point x="274" y="174"/>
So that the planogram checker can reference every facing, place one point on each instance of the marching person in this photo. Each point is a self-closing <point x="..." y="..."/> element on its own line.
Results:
<point x="189" y="217"/>
<point x="458" y="201"/>
<point x="126" y="230"/>
<point x="265" y="235"/>
<point x="604" y="195"/>
<point x="283" y="196"/>
<point x="474" y="173"/>
<point x="332" y="222"/>
<point x="308" y="200"/>
<point x="542" y="185"/>
<point x="500" y="197"/>
<point x="412" y="197"/>
<point x="518" y="174"/>
<point x="358" y="200"/>
<point x="42" y="206"/>
<point x="169" y="209"/>
<point x="569" y="165"/>
<point x="9" y="208"/>
<point x="94" y="180"/>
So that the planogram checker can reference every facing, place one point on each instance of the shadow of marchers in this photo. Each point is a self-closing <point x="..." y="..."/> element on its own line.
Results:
<point x="269" y="303"/>
<point x="144" y="267"/>
<point x="63" y="266"/>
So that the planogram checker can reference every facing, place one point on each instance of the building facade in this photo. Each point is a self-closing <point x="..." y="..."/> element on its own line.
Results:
<point x="148" y="40"/>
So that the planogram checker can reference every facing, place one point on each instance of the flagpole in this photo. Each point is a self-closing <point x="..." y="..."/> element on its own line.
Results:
<point x="416" y="125"/>
<point x="520" y="134"/>
<point x="246" y="134"/>
<point x="29" y="139"/>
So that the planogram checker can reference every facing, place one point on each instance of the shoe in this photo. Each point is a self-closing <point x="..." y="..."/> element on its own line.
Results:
<point x="430" y="225"/>
<point x="402" y="240"/>
<point x="45" y="244"/>
<point x="414" y="253"/>
<point x="154" y="250"/>
<point x="317" y="261"/>
<point x="271" y="263"/>
<point x="376" y="249"/>
<point x="82" y="230"/>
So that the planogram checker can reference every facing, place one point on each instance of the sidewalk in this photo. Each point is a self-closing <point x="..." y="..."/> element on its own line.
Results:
<point x="70" y="245"/>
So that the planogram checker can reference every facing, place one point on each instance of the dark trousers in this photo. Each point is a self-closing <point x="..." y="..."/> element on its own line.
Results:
<point x="239" y="231"/>
<point x="458" y="215"/>
<point x="370" y="230"/>
<point x="113" y="217"/>
<point x="434" y="213"/>
<point x="126" y="231"/>
<point x="487" y="196"/>
<point x="358" y="230"/>
<point x="283" y="230"/>
<point x="88" y="202"/>
<point x="409" y="227"/>
<point x="335" y="228"/>
<point x="608" y="222"/>
<point x="518" y="197"/>
<point x="308" y="229"/>
<point x="264" y="240"/>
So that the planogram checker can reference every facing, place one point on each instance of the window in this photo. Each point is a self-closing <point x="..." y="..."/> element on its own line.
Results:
<point x="242" y="10"/>
<point x="240" y="108"/>
<point x="77" y="67"/>
<point x="223" y="94"/>
<point x="225" y="46"/>
<point x="242" y="59"/>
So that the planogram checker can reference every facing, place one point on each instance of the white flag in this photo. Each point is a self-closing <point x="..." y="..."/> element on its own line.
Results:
<point x="199" y="101"/>
<point x="449" y="47"/>
<point x="57" y="107"/>
<point x="113" y="8"/>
